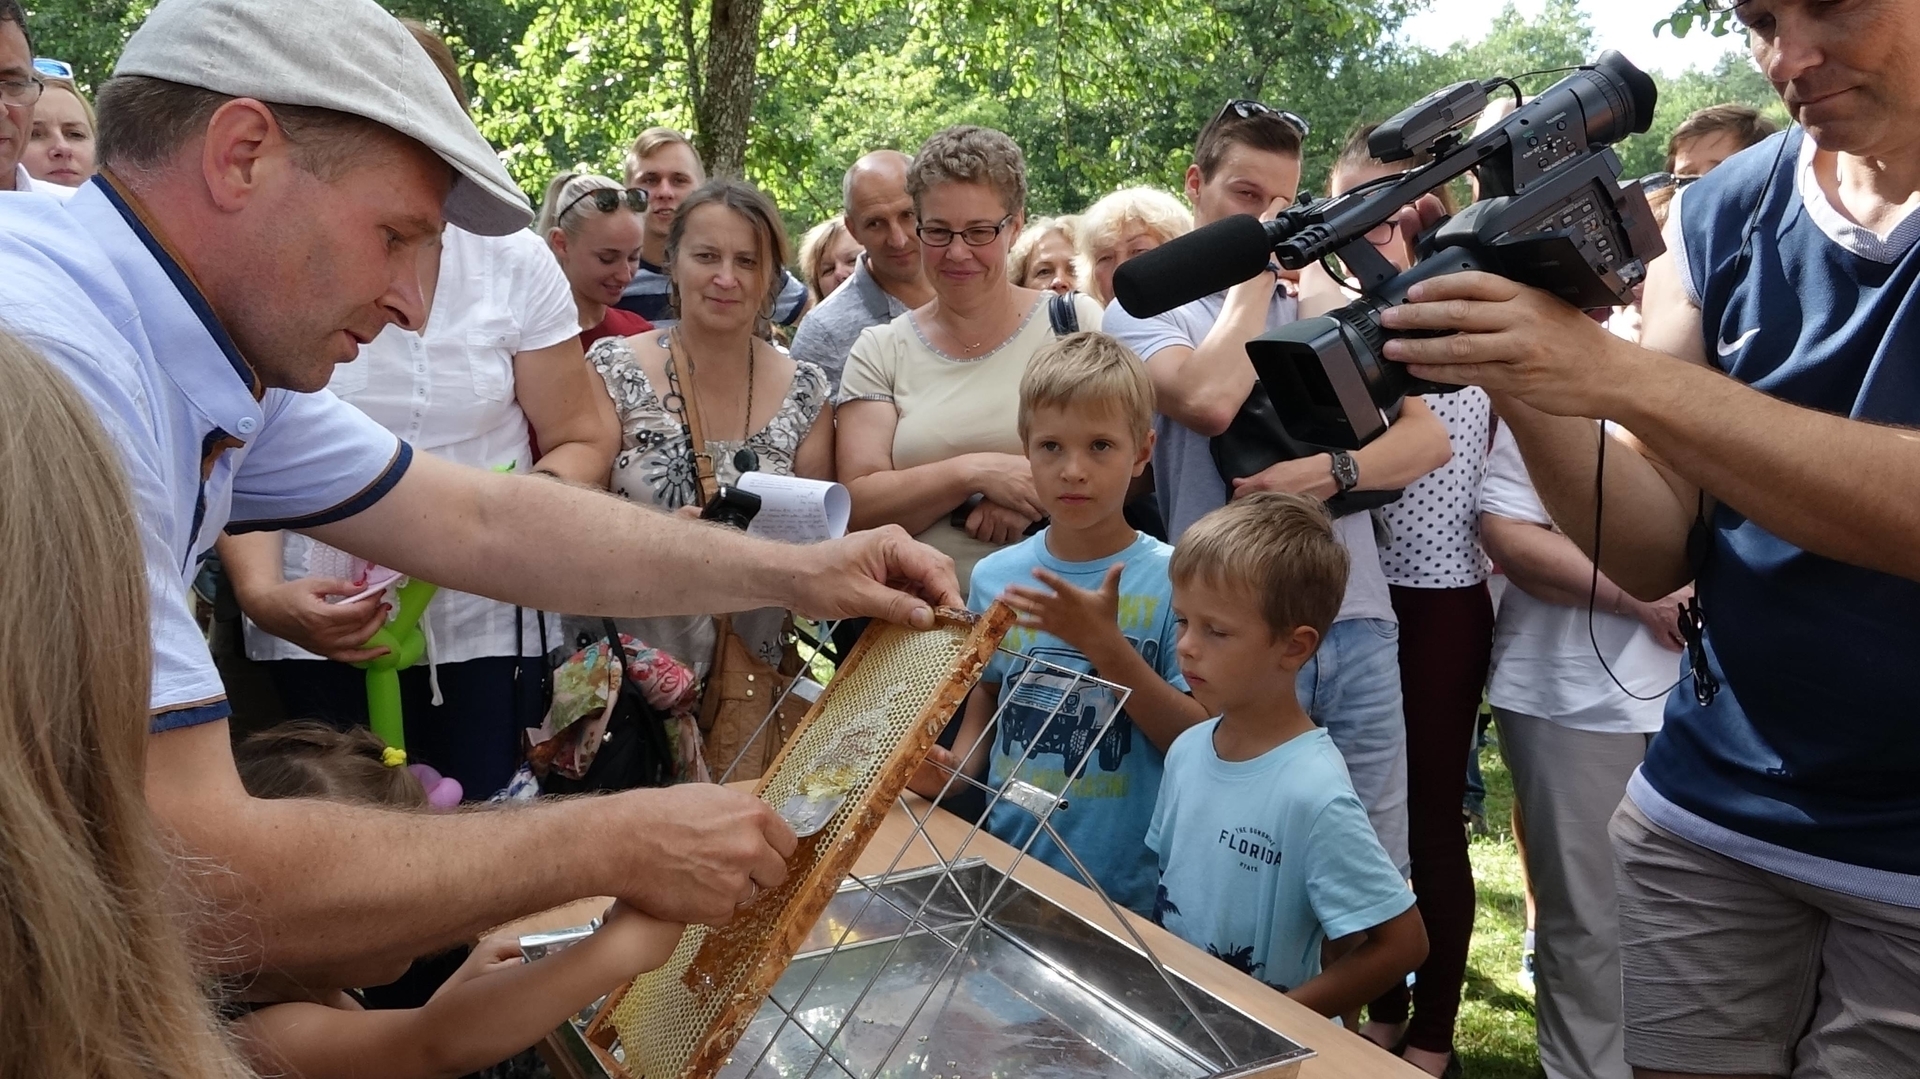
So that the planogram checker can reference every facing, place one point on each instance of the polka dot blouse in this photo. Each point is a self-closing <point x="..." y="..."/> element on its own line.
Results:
<point x="1436" y="523"/>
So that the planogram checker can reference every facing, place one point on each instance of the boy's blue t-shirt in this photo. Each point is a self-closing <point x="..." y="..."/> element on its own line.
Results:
<point x="1262" y="861"/>
<point x="1110" y="805"/>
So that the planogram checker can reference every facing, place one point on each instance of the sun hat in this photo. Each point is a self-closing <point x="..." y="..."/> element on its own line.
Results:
<point x="350" y="56"/>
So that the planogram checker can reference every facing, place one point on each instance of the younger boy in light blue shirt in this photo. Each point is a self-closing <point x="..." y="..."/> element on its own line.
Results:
<point x="1094" y="597"/>
<point x="1266" y="855"/>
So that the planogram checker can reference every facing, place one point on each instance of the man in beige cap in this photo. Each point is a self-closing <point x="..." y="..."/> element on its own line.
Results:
<point x="275" y="175"/>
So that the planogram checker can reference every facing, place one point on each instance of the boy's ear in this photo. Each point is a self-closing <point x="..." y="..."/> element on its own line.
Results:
<point x="1145" y="455"/>
<point x="1299" y="646"/>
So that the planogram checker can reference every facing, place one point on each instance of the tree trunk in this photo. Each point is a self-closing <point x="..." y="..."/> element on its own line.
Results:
<point x="723" y="111"/>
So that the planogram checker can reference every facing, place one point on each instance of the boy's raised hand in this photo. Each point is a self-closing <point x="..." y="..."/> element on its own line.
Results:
<point x="1082" y="618"/>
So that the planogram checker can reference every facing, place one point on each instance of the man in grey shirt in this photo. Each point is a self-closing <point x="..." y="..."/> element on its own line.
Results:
<point x="887" y="282"/>
<point x="1247" y="161"/>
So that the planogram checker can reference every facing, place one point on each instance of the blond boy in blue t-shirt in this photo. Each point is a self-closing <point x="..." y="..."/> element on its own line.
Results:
<point x="1267" y="858"/>
<point x="1094" y="597"/>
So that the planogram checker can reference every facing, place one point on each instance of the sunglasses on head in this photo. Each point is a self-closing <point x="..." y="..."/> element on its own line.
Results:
<point x="53" y="69"/>
<point x="608" y="199"/>
<point x="1247" y="109"/>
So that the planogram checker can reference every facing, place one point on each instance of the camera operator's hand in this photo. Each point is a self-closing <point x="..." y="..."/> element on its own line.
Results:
<point x="1513" y="340"/>
<point x="1312" y="476"/>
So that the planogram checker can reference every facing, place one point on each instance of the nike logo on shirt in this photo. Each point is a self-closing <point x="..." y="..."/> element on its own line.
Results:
<point x="1728" y="348"/>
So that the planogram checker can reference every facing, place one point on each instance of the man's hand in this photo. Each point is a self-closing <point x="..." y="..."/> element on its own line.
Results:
<point x="1514" y="341"/>
<point x="697" y="851"/>
<point x="934" y="773"/>
<point x="879" y="573"/>
<point x="298" y="611"/>
<point x="1311" y="476"/>
<point x="1084" y="619"/>
<point x="990" y="522"/>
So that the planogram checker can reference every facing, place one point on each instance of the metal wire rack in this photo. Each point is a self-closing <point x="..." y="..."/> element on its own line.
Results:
<point x="873" y="966"/>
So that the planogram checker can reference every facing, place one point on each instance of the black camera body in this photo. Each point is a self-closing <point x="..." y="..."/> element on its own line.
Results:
<point x="1552" y="214"/>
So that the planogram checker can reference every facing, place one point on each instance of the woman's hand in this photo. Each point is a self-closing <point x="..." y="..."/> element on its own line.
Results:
<point x="1007" y="480"/>
<point x="993" y="523"/>
<point x="298" y="611"/>
<point x="1662" y="618"/>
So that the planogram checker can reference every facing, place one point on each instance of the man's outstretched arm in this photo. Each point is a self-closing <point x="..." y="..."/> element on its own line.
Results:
<point x="532" y="541"/>
<point x="326" y="890"/>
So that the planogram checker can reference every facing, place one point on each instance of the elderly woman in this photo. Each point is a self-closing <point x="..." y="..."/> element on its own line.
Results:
<point x="1129" y="222"/>
<point x="828" y="254"/>
<point x="927" y="406"/>
<point x="594" y="227"/>
<point x="756" y="408"/>
<point x="1042" y="257"/>
<point x="60" y="144"/>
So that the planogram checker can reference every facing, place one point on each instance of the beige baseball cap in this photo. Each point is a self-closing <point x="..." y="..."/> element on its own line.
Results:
<point x="350" y="56"/>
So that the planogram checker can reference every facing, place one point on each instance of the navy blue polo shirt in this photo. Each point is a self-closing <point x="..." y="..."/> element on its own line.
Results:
<point x="1808" y="762"/>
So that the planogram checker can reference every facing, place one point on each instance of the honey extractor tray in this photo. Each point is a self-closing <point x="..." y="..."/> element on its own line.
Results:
<point x="1035" y="991"/>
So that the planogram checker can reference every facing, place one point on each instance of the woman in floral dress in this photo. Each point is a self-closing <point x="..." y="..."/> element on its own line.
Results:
<point x="760" y="409"/>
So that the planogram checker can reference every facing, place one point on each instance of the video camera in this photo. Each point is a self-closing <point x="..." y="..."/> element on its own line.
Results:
<point x="1552" y="214"/>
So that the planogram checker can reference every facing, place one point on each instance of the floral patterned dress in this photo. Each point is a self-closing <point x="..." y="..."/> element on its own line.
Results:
<point x="655" y="468"/>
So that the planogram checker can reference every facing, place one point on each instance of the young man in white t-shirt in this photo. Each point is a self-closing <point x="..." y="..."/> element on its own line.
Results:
<point x="1247" y="161"/>
<point x="1572" y="737"/>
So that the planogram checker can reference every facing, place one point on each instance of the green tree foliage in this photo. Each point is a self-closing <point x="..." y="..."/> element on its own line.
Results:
<point x="1100" y="93"/>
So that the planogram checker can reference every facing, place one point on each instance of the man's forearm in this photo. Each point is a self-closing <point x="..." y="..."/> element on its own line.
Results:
<point x="1835" y="486"/>
<point x="1205" y="389"/>
<point x="1644" y="548"/>
<point x="1413" y="446"/>
<point x="530" y="541"/>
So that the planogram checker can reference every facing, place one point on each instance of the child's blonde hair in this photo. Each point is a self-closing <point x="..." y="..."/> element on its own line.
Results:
<point x="1278" y="547"/>
<point x="96" y="981"/>
<point x="1087" y="370"/>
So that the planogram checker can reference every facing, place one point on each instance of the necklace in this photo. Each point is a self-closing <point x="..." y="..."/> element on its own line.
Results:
<point x="673" y="403"/>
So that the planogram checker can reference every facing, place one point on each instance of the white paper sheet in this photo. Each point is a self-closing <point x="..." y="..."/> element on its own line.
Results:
<point x="796" y="510"/>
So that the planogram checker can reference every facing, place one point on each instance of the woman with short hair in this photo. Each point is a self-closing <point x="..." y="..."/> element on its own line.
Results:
<point x="927" y="405"/>
<point x="595" y="228"/>
<point x="60" y="144"/>
<point x="1042" y="258"/>
<point x="1128" y="223"/>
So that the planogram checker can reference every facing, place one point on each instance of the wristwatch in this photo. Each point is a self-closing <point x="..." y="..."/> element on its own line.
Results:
<point x="1346" y="474"/>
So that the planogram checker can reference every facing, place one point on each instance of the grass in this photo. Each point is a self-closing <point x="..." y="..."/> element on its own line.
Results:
<point x="1494" y="1036"/>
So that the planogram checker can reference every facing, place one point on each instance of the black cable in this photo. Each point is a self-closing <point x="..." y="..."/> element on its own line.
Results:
<point x="1593" y="586"/>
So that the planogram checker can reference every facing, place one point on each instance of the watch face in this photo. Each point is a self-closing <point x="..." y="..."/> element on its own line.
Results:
<point x="1345" y="473"/>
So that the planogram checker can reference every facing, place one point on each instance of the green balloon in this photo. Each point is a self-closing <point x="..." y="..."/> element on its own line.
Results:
<point x="405" y="644"/>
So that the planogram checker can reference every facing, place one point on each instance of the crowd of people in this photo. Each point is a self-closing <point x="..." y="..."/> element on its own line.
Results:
<point x="1698" y="704"/>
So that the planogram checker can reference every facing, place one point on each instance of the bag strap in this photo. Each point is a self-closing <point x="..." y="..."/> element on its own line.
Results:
<point x="705" y="486"/>
<point x="1062" y="313"/>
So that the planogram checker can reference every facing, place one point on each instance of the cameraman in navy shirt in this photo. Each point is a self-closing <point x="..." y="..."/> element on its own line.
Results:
<point x="1768" y="850"/>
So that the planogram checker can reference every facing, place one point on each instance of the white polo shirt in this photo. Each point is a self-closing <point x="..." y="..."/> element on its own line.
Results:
<point x="90" y="286"/>
<point x="449" y="391"/>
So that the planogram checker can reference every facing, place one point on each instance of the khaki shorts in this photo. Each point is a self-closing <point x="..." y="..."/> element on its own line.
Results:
<point x="1729" y="969"/>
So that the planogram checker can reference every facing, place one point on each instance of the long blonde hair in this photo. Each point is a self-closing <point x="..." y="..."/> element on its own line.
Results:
<point x="95" y="976"/>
